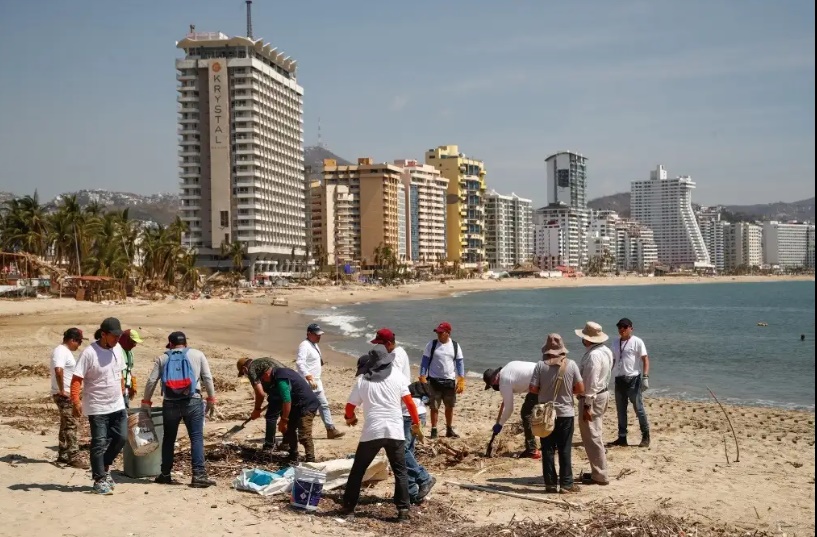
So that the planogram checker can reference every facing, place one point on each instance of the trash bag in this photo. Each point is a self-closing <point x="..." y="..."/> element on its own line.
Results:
<point x="142" y="434"/>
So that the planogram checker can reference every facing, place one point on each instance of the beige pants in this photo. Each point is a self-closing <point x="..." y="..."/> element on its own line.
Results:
<point x="591" y="438"/>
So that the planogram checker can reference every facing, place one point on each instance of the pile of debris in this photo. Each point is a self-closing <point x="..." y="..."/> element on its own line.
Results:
<point x="224" y="385"/>
<point x="24" y="370"/>
<point x="226" y="460"/>
<point x="442" y="454"/>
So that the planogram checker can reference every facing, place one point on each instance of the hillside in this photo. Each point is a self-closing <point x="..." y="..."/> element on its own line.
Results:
<point x="619" y="203"/>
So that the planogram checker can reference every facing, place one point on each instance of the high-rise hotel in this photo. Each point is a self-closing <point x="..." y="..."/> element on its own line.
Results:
<point x="241" y="153"/>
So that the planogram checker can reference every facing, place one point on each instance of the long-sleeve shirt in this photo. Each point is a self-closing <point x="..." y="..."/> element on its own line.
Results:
<point x="401" y="363"/>
<point x="201" y="371"/>
<point x="442" y="364"/>
<point x="308" y="362"/>
<point x="513" y="378"/>
<point x="595" y="367"/>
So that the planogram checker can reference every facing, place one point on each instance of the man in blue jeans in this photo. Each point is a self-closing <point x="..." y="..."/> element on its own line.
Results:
<point x="178" y="407"/>
<point x="631" y="370"/>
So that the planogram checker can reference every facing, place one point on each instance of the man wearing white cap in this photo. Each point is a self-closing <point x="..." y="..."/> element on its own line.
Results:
<point x="595" y="367"/>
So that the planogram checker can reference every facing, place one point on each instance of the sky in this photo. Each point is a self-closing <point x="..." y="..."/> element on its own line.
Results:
<point x="721" y="91"/>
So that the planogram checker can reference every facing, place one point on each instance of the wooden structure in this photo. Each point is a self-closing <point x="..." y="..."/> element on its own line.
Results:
<point x="525" y="270"/>
<point x="93" y="288"/>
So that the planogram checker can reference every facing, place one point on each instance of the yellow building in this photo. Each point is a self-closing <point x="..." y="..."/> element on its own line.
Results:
<point x="465" y="209"/>
<point x="358" y="209"/>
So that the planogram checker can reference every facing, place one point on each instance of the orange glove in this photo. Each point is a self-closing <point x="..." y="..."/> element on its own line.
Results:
<point x="460" y="384"/>
<point x="423" y="380"/>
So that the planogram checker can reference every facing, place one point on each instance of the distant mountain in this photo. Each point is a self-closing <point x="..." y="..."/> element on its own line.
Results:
<point x="797" y="210"/>
<point x="313" y="161"/>
<point x="161" y="208"/>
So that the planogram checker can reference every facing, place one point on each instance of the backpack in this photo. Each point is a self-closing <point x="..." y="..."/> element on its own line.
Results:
<point x="543" y="416"/>
<point x="443" y="384"/>
<point x="178" y="381"/>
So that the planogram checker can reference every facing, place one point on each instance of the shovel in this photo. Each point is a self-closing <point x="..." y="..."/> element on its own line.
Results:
<point x="490" y="449"/>
<point x="236" y="428"/>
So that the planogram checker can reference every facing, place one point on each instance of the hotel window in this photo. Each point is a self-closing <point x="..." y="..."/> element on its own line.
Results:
<point x="225" y="219"/>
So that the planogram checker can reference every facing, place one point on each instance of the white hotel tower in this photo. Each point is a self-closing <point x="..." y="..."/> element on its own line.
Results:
<point x="241" y="152"/>
<point x="665" y="206"/>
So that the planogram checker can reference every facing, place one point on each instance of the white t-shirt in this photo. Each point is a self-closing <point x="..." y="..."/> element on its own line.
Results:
<point x="627" y="356"/>
<point x="308" y="362"/>
<point x="401" y="362"/>
<point x="514" y="378"/>
<point x="64" y="358"/>
<point x="381" y="406"/>
<point x="442" y="363"/>
<point x="101" y="371"/>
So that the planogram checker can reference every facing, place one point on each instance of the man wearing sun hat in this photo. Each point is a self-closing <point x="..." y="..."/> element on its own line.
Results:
<point x="557" y="379"/>
<point x="595" y="367"/>
<point x="443" y="368"/>
<point x="128" y="340"/>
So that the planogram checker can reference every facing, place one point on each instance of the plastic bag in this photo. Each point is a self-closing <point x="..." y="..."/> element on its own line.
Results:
<point x="142" y="434"/>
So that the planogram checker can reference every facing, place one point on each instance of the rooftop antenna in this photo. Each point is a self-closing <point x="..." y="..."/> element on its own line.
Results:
<point x="192" y="28"/>
<point x="320" y="138"/>
<point x="249" y="19"/>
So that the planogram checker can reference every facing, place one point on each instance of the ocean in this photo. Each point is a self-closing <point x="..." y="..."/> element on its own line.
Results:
<point x="696" y="335"/>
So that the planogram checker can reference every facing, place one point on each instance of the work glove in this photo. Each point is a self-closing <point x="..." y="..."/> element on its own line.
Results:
<point x="351" y="422"/>
<point x="256" y="413"/>
<point x="460" y="384"/>
<point x="423" y="379"/>
<point x="497" y="428"/>
<point x="283" y="425"/>
<point x="210" y="408"/>
<point x="587" y="415"/>
<point x="77" y="411"/>
<point x="312" y="383"/>
<point x="645" y="383"/>
<point x="417" y="431"/>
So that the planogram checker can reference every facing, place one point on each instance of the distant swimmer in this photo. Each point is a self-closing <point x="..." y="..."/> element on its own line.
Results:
<point x="802" y="337"/>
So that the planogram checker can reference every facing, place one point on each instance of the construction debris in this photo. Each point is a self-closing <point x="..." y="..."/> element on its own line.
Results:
<point x="29" y="370"/>
<point x="227" y="459"/>
<point x="223" y="385"/>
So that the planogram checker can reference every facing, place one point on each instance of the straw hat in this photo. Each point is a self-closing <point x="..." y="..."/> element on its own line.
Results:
<point x="554" y="347"/>
<point x="593" y="333"/>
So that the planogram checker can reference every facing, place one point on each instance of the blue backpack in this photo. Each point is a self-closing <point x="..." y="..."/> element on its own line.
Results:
<point x="178" y="381"/>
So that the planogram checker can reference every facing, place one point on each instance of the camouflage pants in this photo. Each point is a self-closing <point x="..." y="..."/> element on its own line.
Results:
<point x="300" y="430"/>
<point x="69" y="429"/>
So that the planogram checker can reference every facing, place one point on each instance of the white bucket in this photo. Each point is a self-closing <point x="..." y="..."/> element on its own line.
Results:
<point x="307" y="488"/>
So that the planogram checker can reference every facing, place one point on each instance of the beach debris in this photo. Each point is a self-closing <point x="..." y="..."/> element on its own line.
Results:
<point x="624" y="473"/>
<point x="725" y="413"/>
<point x="280" y="301"/>
<point x="223" y="385"/>
<point x="560" y="503"/>
<point x="226" y="460"/>
<point x="24" y="370"/>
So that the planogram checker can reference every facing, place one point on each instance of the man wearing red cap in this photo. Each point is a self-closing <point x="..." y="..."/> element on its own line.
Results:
<point x="443" y="368"/>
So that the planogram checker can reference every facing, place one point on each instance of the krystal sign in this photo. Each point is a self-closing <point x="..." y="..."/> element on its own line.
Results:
<point x="220" y="167"/>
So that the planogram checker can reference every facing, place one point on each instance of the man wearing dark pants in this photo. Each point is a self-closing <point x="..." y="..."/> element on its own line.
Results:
<point x="514" y="377"/>
<point x="62" y="371"/>
<point x="379" y="389"/>
<point x="556" y="380"/>
<point x="631" y="369"/>
<point x="182" y="404"/>
<point x="98" y="375"/>
<point x="273" y="413"/>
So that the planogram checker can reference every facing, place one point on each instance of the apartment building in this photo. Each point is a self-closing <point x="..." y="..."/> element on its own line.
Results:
<point x="567" y="179"/>
<point x="373" y="196"/>
<point x="425" y="232"/>
<point x="335" y="225"/>
<point x="743" y="245"/>
<point x="665" y="206"/>
<point x="571" y="246"/>
<point x="788" y="245"/>
<point x="548" y="245"/>
<point x="508" y="230"/>
<point x="465" y="207"/>
<point x="241" y="163"/>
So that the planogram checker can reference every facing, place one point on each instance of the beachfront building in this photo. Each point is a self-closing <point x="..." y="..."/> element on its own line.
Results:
<point x="603" y="241"/>
<point x="665" y="206"/>
<point x="569" y="245"/>
<point x="713" y="230"/>
<point x="508" y="230"/>
<point x="335" y="225"/>
<point x="371" y="199"/>
<point x="241" y="165"/>
<point x="567" y="179"/>
<point x="743" y="245"/>
<point x="640" y="253"/>
<point x="425" y="231"/>
<point x="465" y="214"/>
<point x="788" y="245"/>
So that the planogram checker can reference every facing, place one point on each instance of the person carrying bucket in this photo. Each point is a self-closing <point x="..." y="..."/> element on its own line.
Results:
<point x="379" y="390"/>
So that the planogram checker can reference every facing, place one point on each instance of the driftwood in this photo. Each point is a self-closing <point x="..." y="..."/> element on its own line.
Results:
<point x="725" y="413"/>
<point x="561" y="503"/>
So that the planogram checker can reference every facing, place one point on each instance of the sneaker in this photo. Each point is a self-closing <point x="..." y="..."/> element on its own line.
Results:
<point x="333" y="433"/>
<point x="102" y="487"/>
<point x="268" y="447"/>
<point x="425" y="488"/>
<point x="645" y="441"/>
<point x="451" y="433"/>
<point x="403" y="515"/>
<point x="551" y="490"/>
<point x="535" y="454"/>
<point x="109" y="480"/>
<point x="165" y="479"/>
<point x="620" y="442"/>
<point x="63" y="460"/>
<point x="347" y="513"/>
<point x="433" y="432"/>
<point x="201" y="481"/>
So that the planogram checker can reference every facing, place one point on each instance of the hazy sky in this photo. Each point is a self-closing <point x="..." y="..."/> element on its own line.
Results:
<point x="722" y="91"/>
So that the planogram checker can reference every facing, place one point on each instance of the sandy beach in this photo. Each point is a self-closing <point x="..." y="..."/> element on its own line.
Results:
<point x="685" y="473"/>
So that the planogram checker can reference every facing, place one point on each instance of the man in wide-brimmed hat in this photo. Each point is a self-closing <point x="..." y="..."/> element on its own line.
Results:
<point x="595" y="367"/>
<point x="557" y="379"/>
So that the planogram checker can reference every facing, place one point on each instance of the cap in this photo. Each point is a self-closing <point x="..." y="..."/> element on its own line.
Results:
<point x="111" y="325"/>
<point x="624" y="323"/>
<point x="98" y="334"/>
<point x="383" y="336"/>
<point x="488" y="377"/>
<point x="314" y="328"/>
<point x="241" y="364"/>
<point x="443" y="327"/>
<point x="175" y="339"/>
<point x="134" y="335"/>
<point x="73" y="334"/>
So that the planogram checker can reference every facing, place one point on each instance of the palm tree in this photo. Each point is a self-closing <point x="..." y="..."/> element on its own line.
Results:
<point x="235" y="252"/>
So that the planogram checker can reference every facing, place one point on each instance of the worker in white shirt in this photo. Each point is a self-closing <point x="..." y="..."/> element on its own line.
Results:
<point x="509" y="380"/>
<point x="631" y="369"/>
<point x="309" y="363"/>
